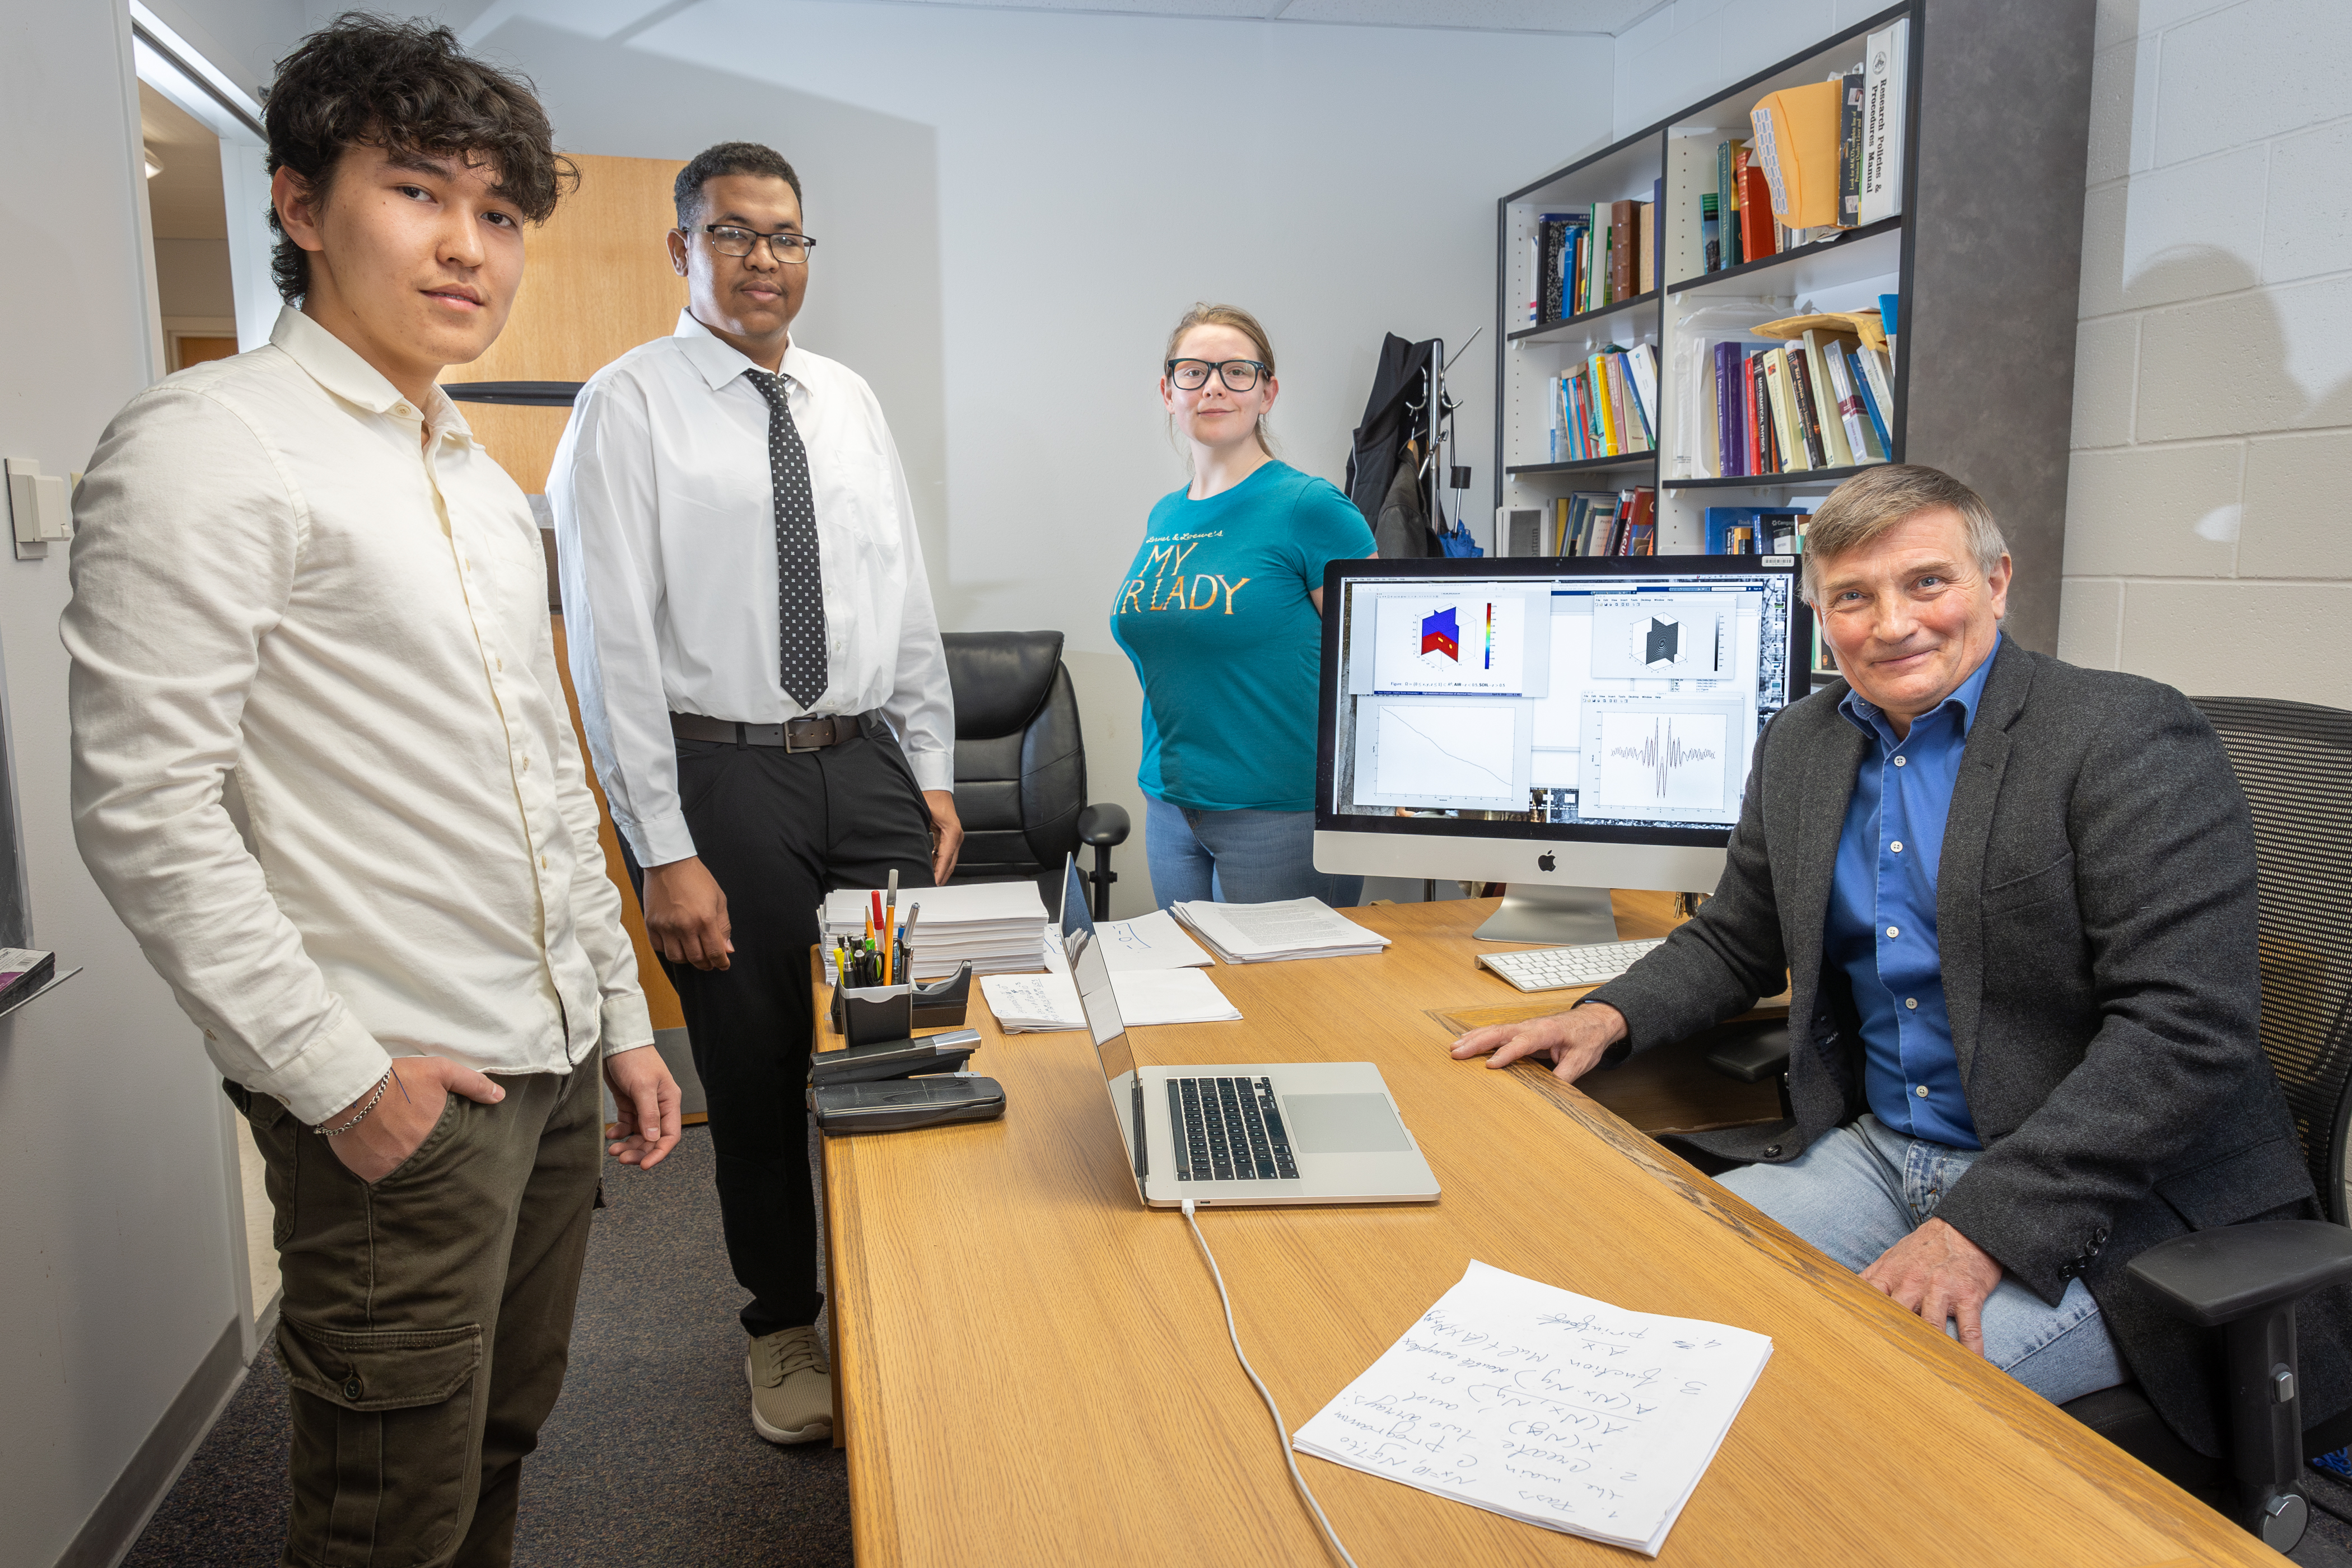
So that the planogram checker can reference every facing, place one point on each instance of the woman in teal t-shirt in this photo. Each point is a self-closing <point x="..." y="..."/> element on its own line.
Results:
<point x="1222" y="614"/>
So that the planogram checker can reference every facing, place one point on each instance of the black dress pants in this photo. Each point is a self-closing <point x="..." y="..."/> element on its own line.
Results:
<point x="777" y="830"/>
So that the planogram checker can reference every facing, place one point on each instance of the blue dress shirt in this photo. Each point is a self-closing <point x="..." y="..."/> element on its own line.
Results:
<point x="1882" y="917"/>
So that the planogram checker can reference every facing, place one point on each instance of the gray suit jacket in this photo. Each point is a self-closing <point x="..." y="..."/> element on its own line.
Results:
<point x="2095" y="911"/>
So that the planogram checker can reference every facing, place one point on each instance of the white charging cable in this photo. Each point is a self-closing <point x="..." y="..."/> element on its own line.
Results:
<point x="1280" y="1430"/>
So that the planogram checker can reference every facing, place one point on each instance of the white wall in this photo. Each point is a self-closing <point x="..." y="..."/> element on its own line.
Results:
<point x="2208" y="538"/>
<point x="1686" y="51"/>
<point x="1013" y="207"/>
<point x="119" y="1265"/>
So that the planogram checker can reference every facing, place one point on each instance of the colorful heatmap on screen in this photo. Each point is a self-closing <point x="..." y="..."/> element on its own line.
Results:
<point x="1441" y="633"/>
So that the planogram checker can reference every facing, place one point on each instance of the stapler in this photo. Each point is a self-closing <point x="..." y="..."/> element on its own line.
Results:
<point x="881" y="1059"/>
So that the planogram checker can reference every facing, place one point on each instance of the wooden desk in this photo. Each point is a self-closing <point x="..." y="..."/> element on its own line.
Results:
<point x="1036" y="1371"/>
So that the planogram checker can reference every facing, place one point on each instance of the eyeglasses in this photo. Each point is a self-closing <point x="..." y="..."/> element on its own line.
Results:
<point x="1191" y="374"/>
<point x="792" y="249"/>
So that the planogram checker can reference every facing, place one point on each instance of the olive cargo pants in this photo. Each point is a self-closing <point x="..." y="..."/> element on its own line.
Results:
<point x="427" y="1319"/>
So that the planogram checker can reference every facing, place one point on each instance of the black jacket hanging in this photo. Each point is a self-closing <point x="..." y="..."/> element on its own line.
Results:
<point x="1393" y="417"/>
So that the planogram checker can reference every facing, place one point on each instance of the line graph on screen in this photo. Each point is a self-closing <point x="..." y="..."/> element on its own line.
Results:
<point x="1433" y="752"/>
<point x="1663" y="759"/>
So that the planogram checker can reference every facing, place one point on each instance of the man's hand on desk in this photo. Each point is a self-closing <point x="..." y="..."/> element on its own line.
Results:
<point x="1573" y="1042"/>
<point x="947" y="834"/>
<point x="686" y="914"/>
<point x="1939" y="1274"/>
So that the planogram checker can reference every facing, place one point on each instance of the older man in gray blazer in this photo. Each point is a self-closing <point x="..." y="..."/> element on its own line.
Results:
<point x="2014" y="901"/>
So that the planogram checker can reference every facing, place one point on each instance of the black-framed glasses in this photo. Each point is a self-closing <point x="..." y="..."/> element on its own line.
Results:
<point x="730" y="239"/>
<point x="1191" y="374"/>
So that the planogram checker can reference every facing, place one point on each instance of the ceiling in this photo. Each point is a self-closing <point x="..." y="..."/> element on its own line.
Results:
<point x="1609" y="16"/>
<point x="185" y="198"/>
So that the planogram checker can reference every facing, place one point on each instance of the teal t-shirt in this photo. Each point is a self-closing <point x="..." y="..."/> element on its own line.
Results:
<point x="1215" y="617"/>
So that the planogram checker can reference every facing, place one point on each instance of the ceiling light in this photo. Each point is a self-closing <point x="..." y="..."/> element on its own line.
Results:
<point x="154" y="166"/>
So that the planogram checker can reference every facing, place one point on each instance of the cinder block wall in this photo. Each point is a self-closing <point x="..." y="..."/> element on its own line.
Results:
<point x="2208" y="538"/>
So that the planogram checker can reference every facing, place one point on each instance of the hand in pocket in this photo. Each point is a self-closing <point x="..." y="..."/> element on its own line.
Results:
<point x="405" y="1115"/>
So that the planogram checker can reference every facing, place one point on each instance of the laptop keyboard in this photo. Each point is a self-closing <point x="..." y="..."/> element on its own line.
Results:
<point x="1230" y="1130"/>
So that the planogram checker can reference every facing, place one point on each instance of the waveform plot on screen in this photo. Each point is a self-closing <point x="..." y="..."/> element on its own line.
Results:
<point x="1441" y="633"/>
<point x="1670" y="759"/>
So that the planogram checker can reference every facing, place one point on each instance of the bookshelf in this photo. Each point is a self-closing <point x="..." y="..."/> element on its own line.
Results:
<point x="1985" y="255"/>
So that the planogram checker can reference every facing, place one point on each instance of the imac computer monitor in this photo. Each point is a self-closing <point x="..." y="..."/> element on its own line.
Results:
<point x="1563" y="725"/>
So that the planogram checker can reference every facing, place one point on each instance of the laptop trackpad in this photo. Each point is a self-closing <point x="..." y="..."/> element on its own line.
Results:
<point x="1343" y="1124"/>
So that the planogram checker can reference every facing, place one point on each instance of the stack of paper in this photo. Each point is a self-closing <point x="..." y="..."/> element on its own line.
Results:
<point x="1546" y="1406"/>
<point x="1030" y="1003"/>
<point x="1267" y="933"/>
<point x="999" y="926"/>
<point x="1147" y="942"/>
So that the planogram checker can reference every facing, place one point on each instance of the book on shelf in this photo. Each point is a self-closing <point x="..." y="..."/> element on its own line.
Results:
<point x="1606" y="522"/>
<point x="1805" y="409"/>
<point x="1606" y="406"/>
<point x="1885" y="83"/>
<point x="1710" y="229"/>
<point x="1755" y="531"/>
<point x="1817" y="400"/>
<point x="1850" y="96"/>
<point x="1727" y="205"/>
<point x="1793" y="459"/>
<point x="1758" y="234"/>
<point x="1824" y="404"/>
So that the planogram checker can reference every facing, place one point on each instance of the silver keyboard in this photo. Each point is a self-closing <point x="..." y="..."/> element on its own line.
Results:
<point x="1558" y="968"/>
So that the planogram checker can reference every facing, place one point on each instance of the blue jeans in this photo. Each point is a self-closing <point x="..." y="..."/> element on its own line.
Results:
<point x="1859" y="1189"/>
<point x="1237" y="856"/>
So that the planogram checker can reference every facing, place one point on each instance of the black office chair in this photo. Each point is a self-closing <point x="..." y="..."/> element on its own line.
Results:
<point x="2295" y="763"/>
<point x="1020" y="766"/>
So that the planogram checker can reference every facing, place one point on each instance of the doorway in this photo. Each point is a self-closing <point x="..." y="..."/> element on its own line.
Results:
<point x="194" y="294"/>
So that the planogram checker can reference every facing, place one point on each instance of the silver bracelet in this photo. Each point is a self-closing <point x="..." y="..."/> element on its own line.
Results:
<point x="381" y="1085"/>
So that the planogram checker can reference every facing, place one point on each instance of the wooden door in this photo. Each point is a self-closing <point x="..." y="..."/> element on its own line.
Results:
<point x="596" y="283"/>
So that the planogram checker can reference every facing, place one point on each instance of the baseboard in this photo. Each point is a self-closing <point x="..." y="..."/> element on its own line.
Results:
<point x="113" y="1528"/>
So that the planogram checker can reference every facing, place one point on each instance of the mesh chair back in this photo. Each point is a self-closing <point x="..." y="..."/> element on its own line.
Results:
<point x="2294" y="762"/>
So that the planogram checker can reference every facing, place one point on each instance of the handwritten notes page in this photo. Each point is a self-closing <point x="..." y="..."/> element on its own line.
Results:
<point x="1546" y="1406"/>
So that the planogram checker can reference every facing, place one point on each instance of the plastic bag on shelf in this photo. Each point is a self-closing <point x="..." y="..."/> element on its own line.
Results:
<point x="1691" y="448"/>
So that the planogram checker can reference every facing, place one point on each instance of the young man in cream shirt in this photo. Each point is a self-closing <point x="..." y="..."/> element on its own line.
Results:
<point x="324" y="770"/>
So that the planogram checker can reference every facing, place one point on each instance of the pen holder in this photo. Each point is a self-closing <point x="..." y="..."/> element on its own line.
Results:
<point x="941" y="1004"/>
<point x="865" y="1014"/>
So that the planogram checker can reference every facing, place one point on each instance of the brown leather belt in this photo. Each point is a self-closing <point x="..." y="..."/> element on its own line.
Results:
<point x="793" y="734"/>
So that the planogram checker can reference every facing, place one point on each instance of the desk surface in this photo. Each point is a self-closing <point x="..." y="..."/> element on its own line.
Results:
<point x="1034" y="1368"/>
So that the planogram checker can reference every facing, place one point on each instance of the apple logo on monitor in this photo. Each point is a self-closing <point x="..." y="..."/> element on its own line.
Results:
<point x="1547" y="861"/>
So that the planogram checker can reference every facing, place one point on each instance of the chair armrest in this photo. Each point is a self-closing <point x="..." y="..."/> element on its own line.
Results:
<point x="2216" y="1276"/>
<point x="1754" y="1051"/>
<point x="1103" y="825"/>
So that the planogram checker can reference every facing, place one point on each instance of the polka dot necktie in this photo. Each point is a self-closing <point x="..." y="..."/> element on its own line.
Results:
<point x="800" y="581"/>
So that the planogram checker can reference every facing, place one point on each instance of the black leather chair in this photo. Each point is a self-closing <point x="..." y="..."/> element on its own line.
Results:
<point x="2295" y="763"/>
<point x="1020" y="766"/>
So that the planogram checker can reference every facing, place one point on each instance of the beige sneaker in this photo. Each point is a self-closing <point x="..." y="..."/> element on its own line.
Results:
<point x="791" y="1387"/>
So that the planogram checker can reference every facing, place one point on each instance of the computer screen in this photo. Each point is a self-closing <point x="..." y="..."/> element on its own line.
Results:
<point x="1560" y="703"/>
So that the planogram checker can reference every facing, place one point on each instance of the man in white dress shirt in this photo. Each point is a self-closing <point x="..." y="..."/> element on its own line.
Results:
<point x="324" y="772"/>
<point x="765" y="696"/>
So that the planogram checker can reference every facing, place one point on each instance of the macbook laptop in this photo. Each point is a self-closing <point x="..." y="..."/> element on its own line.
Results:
<point x="1287" y="1132"/>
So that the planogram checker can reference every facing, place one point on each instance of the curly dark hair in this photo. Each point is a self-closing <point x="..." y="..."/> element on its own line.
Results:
<point x="365" y="80"/>
<point x="726" y="158"/>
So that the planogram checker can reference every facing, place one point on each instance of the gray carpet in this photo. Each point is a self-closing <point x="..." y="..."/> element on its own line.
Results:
<point x="649" y="1457"/>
